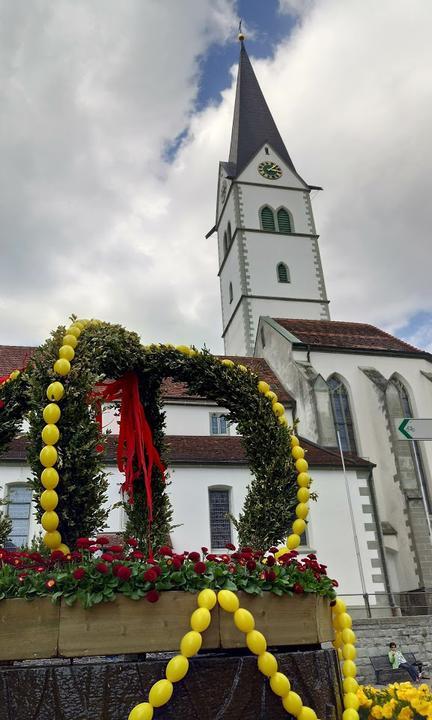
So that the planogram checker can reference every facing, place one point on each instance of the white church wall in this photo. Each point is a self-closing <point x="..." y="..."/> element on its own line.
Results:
<point x="230" y="274"/>
<point x="235" y="338"/>
<point x="182" y="419"/>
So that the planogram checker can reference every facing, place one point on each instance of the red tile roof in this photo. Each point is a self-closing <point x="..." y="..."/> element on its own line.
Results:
<point x="358" y="337"/>
<point x="211" y="449"/>
<point x="14" y="356"/>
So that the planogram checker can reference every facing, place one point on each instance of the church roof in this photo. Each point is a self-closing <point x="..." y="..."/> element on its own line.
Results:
<point x="209" y="449"/>
<point x="253" y="124"/>
<point x="346" y="336"/>
<point x="17" y="356"/>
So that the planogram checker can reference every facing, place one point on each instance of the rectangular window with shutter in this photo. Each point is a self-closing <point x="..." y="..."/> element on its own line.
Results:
<point x="220" y="524"/>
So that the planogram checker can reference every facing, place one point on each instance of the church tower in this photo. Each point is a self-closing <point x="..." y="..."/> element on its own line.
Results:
<point x="269" y="260"/>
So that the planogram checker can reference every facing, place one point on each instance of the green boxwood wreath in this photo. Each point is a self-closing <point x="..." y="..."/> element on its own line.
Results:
<point x="109" y="351"/>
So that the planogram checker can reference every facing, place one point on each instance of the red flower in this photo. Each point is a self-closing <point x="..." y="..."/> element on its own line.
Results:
<point x="115" y="549"/>
<point x="93" y="548"/>
<point x="102" y="540"/>
<point x="251" y="565"/>
<point x="165" y="550"/>
<point x="50" y="584"/>
<point x="211" y="556"/>
<point x="204" y="550"/>
<point x="107" y="557"/>
<point x="137" y="555"/>
<point x="132" y="542"/>
<point x="335" y="583"/>
<point x="83" y="543"/>
<point x="273" y="550"/>
<point x="75" y="555"/>
<point x="177" y="563"/>
<point x="271" y="560"/>
<point x="312" y="556"/>
<point x="150" y="575"/>
<point x="157" y="569"/>
<point x="79" y="573"/>
<point x="152" y="596"/>
<point x="194" y="556"/>
<point x="298" y="589"/>
<point x="102" y="568"/>
<point x="123" y="572"/>
<point x="247" y="549"/>
<point x="37" y="557"/>
<point x="200" y="568"/>
<point x="57" y="555"/>
<point x="270" y="575"/>
<point x="230" y="546"/>
<point x="40" y="569"/>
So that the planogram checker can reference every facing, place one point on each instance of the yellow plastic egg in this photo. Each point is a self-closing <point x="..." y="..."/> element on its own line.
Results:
<point x="70" y="340"/>
<point x="350" y="714"/>
<point x="292" y="703"/>
<point x="271" y="396"/>
<point x="280" y="684"/>
<point x="303" y="496"/>
<point x="74" y="330"/>
<point x="299" y="526"/>
<point x="349" y="652"/>
<point x="282" y="420"/>
<point x="338" y="642"/>
<point x="177" y="668"/>
<point x="143" y="711"/>
<point x="200" y="619"/>
<point x="51" y="413"/>
<point x="50" y="520"/>
<point x="263" y="387"/>
<point x="64" y="548"/>
<point x="348" y="636"/>
<point x="294" y="441"/>
<point x="228" y="601"/>
<point x="55" y="391"/>
<point x="301" y="465"/>
<point x="351" y="701"/>
<point x="62" y="366"/>
<point x="256" y="642"/>
<point x="342" y="621"/>
<point x="297" y="452"/>
<point x="303" y="479"/>
<point x="50" y="434"/>
<point x="52" y="540"/>
<point x="227" y="362"/>
<point x="278" y="409"/>
<point x="349" y="669"/>
<point x="267" y="664"/>
<point x="190" y="643"/>
<point x="244" y="620"/>
<point x="207" y="599"/>
<point x="306" y="713"/>
<point x="293" y="541"/>
<point x="350" y="685"/>
<point x="50" y="478"/>
<point x="67" y="352"/>
<point x="160" y="693"/>
<point x="49" y="499"/>
<point x="48" y="456"/>
<point x="339" y="606"/>
<point x="302" y="510"/>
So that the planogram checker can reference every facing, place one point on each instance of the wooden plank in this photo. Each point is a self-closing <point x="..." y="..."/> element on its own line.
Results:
<point x="28" y="629"/>
<point x="129" y="626"/>
<point x="298" y="620"/>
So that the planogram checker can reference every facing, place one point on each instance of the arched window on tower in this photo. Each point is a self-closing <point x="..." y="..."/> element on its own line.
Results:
<point x="267" y="219"/>
<point x="283" y="274"/>
<point x="225" y="243"/>
<point x="230" y="291"/>
<point x="342" y="413"/>
<point x="285" y="222"/>
<point x="229" y="234"/>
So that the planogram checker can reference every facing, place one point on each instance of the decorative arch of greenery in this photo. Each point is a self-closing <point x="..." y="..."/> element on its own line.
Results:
<point x="107" y="351"/>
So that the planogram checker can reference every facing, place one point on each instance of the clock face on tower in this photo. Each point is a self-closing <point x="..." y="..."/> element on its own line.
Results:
<point x="270" y="170"/>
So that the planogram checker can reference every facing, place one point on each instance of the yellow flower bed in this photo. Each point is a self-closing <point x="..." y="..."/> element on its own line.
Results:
<point x="399" y="701"/>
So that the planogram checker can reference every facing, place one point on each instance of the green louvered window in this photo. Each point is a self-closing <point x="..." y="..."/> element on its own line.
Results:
<point x="267" y="219"/>
<point x="284" y="221"/>
<point x="283" y="275"/>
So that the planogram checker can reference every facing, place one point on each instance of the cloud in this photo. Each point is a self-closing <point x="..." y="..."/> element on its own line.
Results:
<point x="96" y="220"/>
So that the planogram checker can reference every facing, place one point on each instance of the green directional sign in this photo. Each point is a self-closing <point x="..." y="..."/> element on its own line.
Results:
<point x="414" y="428"/>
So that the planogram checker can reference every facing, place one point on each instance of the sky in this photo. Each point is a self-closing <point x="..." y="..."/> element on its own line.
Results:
<point x="115" y="116"/>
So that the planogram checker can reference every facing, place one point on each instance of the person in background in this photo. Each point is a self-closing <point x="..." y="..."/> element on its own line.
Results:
<point x="397" y="660"/>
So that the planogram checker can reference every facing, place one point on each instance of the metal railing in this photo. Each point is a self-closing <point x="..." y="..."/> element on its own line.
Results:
<point x="382" y="604"/>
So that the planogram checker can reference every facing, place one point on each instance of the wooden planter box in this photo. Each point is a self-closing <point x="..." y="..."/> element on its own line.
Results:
<point x="38" y="629"/>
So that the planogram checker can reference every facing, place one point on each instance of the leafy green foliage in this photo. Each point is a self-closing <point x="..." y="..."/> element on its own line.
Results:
<point x="5" y="525"/>
<point x="109" y="351"/>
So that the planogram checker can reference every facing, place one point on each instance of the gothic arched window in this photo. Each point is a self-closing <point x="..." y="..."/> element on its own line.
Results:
<point x="283" y="274"/>
<point x="342" y="414"/>
<point x="285" y="223"/>
<point x="225" y="243"/>
<point x="267" y="219"/>
<point x="230" y="291"/>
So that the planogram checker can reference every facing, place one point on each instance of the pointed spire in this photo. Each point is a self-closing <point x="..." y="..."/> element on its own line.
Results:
<point x="253" y="124"/>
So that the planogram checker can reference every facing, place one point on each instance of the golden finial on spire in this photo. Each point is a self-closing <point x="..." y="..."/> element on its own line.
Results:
<point x="241" y="36"/>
